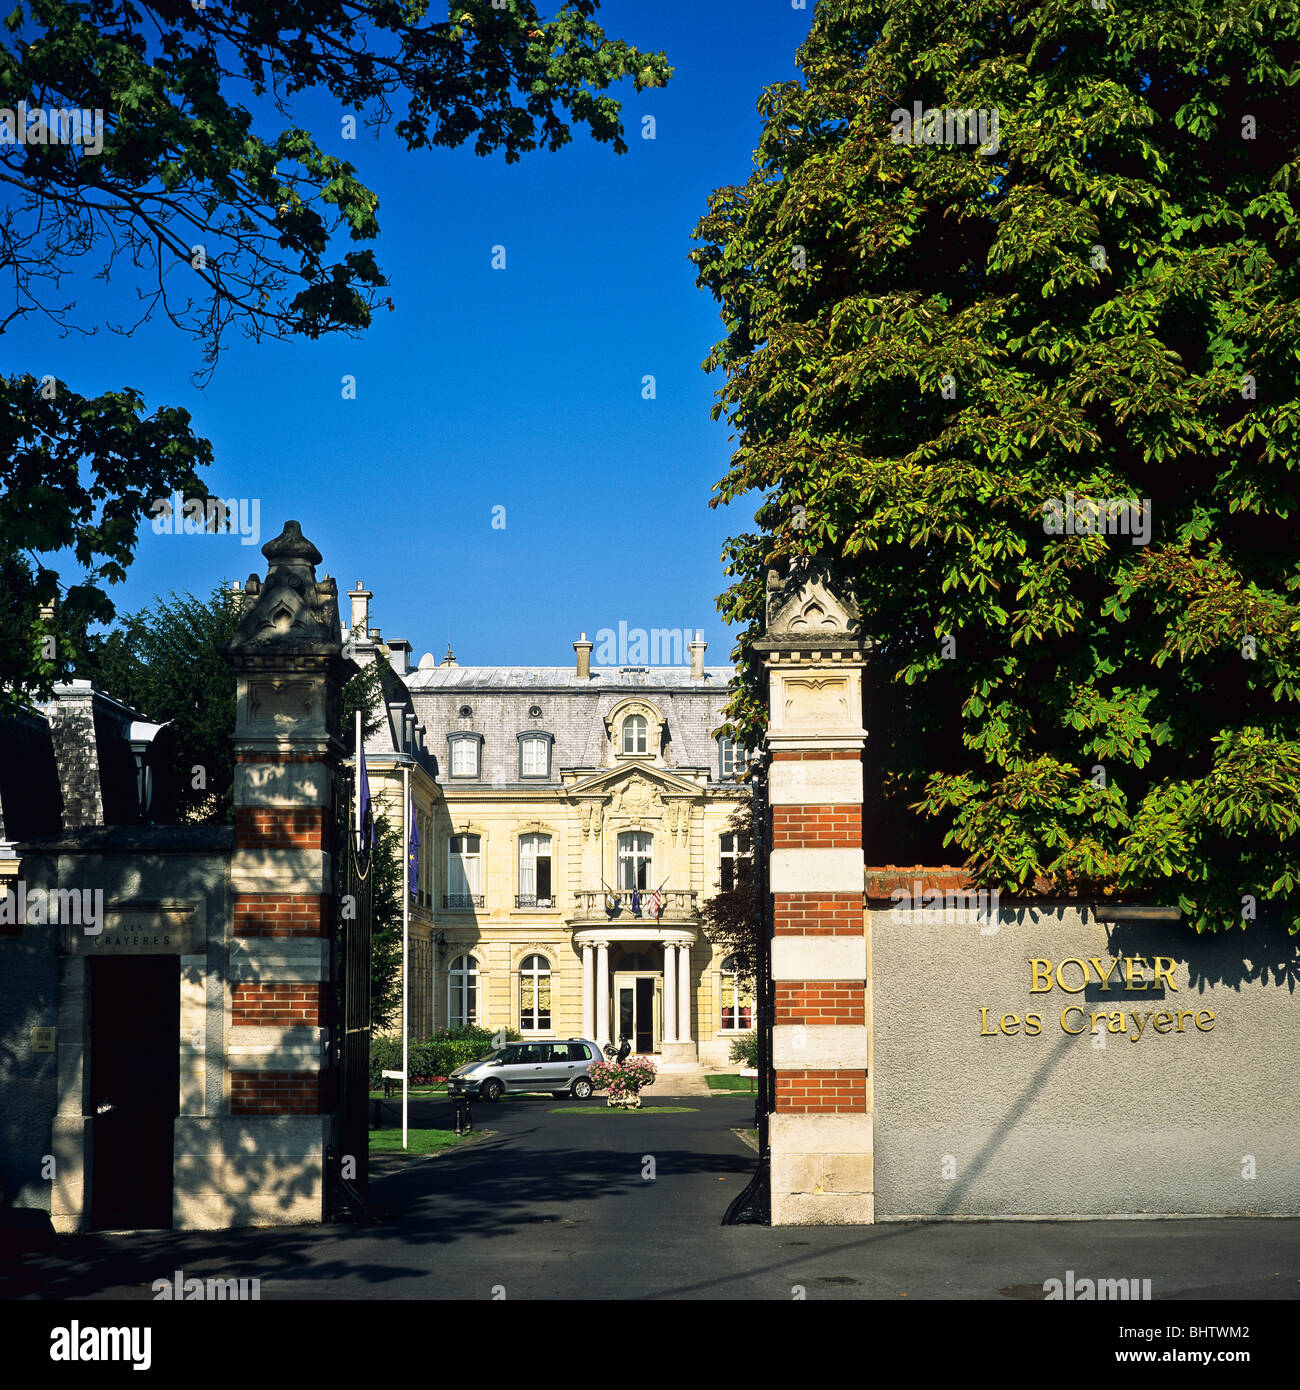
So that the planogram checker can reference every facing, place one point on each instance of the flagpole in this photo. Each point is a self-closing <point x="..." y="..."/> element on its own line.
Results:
<point x="356" y="779"/>
<point x="406" y="927"/>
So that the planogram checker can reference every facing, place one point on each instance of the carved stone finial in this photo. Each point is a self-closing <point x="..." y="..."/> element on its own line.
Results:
<point x="291" y="546"/>
<point x="805" y="599"/>
<point x="292" y="612"/>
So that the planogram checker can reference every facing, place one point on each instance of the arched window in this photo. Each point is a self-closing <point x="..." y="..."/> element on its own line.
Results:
<point x="737" y="1000"/>
<point x="462" y="991"/>
<point x="635" y="859"/>
<point x="634" y="733"/>
<point x="535" y="872"/>
<point x="535" y="995"/>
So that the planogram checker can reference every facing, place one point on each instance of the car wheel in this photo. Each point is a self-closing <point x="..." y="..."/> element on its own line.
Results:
<point x="582" y="1088"/>
<point x="492" y="1090"/>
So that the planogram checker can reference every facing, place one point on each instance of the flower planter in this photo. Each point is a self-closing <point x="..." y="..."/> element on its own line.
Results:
<point x="624" y="1081"/>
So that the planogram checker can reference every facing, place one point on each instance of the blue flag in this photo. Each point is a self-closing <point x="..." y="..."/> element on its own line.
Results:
<point x="413" y="856"/>
<point x="363" y="783"/>
<point x="636" y="903"/>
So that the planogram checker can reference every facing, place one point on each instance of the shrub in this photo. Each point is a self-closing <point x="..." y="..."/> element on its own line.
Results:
<point x="744" y="1049"/>
<point x="431" y="1059"/>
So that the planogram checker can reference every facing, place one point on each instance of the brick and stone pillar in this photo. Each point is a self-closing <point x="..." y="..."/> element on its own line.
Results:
<point x="821" y="1126"/>
<point x="286" y="654"/>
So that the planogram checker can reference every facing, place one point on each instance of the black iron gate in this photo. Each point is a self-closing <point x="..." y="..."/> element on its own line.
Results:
<point x="349" y="1157"/>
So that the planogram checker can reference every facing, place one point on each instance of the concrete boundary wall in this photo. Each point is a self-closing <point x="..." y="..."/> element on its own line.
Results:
<point x="1025" y="1110"/>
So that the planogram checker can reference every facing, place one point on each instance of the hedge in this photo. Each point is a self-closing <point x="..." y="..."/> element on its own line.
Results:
<point x="432" y="1058"/>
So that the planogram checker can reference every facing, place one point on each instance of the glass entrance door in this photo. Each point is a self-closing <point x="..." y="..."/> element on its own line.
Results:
<point x="638" y="1011"/>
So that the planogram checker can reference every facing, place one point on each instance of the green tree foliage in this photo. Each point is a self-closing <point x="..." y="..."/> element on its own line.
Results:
<point x="166" y="662"/>
<point x="386" y="925"/>
<point x="219" y="214"/>
<point x="76" y="476"/>
<point x="926" y="344"/>
<point x="730" y="916"/>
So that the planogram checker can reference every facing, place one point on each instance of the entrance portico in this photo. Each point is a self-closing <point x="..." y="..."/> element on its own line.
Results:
<point x="652" y="1006"/>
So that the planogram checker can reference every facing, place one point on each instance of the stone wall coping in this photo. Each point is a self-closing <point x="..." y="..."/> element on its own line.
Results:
<point x="136" y="839"/>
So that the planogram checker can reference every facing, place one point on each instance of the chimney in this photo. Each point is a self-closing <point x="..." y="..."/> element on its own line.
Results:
<point x="360" y="609"/>
<point x="583" y="648"/>
<point x="399" y="655"/>
<point x="697" y="650"/>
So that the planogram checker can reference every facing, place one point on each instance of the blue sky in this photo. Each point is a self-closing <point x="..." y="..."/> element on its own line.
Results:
<point x="519" y="388"/>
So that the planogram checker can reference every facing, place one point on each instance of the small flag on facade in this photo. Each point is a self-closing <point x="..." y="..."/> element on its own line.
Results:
<point x="413" y="856"/>
<point x="612" y="904"/>
<point x="636" y="903"/>
<point x="656" y="902"/>
<point x="363" y="783"/>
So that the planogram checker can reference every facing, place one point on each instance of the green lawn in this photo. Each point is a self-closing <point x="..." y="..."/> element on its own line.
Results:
<point x="731" y="1083"/>
<point x="622" y="1110"/>
<point x="418" y="1141"/>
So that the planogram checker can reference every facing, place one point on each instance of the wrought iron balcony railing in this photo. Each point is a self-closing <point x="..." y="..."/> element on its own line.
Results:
<point x="532" y="900"/>
<point x="678" y="904"/>
<point x="461" y="902"/>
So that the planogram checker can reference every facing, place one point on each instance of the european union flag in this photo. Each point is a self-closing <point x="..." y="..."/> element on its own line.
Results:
<point x="636" y="903"/>
<point x="413" y="856"/>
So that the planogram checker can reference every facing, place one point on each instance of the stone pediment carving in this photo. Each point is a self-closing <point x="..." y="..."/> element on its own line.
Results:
<point x="806" y="601"/>
<point x="637" y="798"/>
<point x="605" y="783"/>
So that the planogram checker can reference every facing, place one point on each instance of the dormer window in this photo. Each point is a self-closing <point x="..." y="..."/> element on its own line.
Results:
<point x="534" y="756"/>
<point x="732" y="760"/>
<point x="634" y="734"/>
<point x="466" y="750"/>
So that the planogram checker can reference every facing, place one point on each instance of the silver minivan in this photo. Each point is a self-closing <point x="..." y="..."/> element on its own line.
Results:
<point x="562" y="1067"/>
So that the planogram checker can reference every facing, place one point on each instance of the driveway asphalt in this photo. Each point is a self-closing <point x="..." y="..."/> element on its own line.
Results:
<point x="556" y="1204"/>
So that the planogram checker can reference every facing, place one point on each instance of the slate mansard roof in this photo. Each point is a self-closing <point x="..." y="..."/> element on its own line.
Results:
<point x="573" y="712"/>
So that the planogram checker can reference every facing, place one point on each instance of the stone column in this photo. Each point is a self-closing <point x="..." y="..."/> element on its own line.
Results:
<point x="821" y="1127"/>
<point x="286" y="655"/>
<point x="684" y="997"/>
<point x="670" y="996"/>
<point x="602" y="992"/>
<point x="588" y="1010"/>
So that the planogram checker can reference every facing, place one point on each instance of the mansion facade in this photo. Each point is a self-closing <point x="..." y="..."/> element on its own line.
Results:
<point x="572" y="820"/>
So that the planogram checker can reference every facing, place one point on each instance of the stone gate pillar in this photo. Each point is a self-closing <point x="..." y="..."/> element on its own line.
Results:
<point x="286" y="654"/>
<point x="821" y="1126"/>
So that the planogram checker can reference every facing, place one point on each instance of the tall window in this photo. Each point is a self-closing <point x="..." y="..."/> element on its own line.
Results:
<point x="732" y="759"/>
<point x="465" y="755"/>
<point x="535" y="756"/>
<point x="534" y="994"/>
<point x="535" y="871"/>
<point x="735" y="859"/>
<point x="736" y="998"/>
<point x="462" y="991"/>
<point x="422" y="857"/>
<point x="635" y="859"/>
<point x="634" y="734"/>
<point x="463" y="859"/>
